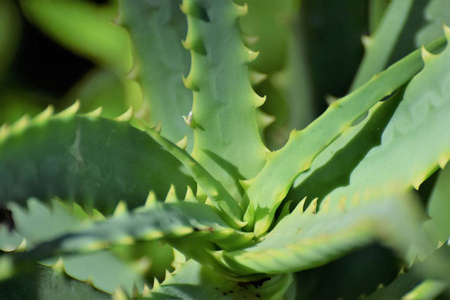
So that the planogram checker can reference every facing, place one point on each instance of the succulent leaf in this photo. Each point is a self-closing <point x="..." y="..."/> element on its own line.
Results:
<point x="223" y="113"/>
<point x="305" y="239"/>
<point x="193" y="281"/>
<point x="90" y="160"/>
<point x="156" y="29"/>
<point x="379" y="46"/>
<point x="421" y="123"/>
<point x="303" y="146"/>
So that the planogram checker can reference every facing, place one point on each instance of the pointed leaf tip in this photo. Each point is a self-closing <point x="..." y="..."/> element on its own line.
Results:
<point x="70" y="111"/>
<point x="126" y="116"/>
<point x="151" y="199"/>
<point x="121" y="208"/>
<point x="426" y="56"/>
<point x="171" y="195"/>
<point x="95" y="113"/>
<point x="44" y="115"/>
<point x="182" y="144"/>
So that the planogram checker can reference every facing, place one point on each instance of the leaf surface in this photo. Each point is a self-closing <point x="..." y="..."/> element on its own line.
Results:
<point x="94" y="161"/>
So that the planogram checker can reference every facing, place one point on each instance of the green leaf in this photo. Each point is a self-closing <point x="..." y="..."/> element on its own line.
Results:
<point x="333" y="166"/>
<point x="227" y="141"/>
<point x="93" y="161"/>
<point x="421" y="123"/>
<point x="157" y="28"/>
<point x="266" y="193"/>
<point x="437" y="13"/>
<point x="380" y="46"/>
<point x="439" y="206"/>
<point x="414" y="284"/>
<point x="45" y="283"/>
<point x="104" y="269"/>
<point x="193" y="281"/>
<point x="306" y="239"/>
<point x="84" y="27"/>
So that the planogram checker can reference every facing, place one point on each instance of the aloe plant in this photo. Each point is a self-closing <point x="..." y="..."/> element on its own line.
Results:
<point x="179" y="197"/>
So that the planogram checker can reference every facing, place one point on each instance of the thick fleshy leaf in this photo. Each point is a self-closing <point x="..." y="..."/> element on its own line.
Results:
<point x="227" y="141"/>
<point x="157" y="28"/>
<point x="46" y="283"/>
<point x="379" y="46"/>
<point x="266" y="193"/>
<point x="94" y="161"/>
<point x="193" y="281"/>
<point x="414" y="285"/>
<point x="304" y="239"/>
<point x="105" y="270"/>
<point x="421" y="123"/>
<point x="437" y="13"/>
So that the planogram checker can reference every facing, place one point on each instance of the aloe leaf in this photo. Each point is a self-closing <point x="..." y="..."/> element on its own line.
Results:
<point x="306" y="239"/>
<point x="94" y="161"/>
<point x="169" y="221"/>
<point x="439" y="206"/>
<point x="379" y="46"/>
<point x="437" y="13"/>
<point x="104" y="270"/>
<point x="224" y="108"/>
<point x="157" y="28"/>
<point x="45" y="283"/>
<point x="414" y="285"/>
<point x="333" y="166"/>
<point x="219" y="196"/>
<point x="157" y="220"/>
<point x="266" y="193"/>
<point x="421" y="123"/>
<point x="71" y="23"/>
<point x="377" y="9"/>
<point x="193" y="281"/>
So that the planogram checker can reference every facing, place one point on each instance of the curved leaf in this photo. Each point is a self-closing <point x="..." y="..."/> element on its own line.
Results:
<point x="416" y="140"/>
<point x="193" y="281"/>
<point x="157" y="28"/>
<point x="94" y="161"/>
<point x="379" y="46"/>
<point x="266" y="193"/>
<point x="227" y="141"/>
<point x="304" y="240"/>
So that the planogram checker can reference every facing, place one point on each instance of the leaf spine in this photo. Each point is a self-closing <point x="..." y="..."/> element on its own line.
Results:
<point x="70" y="111"/>
<point x="258" y="101"/>
<point x="171" y="195"/>
<point x="4" y="131"/>
<point x="241" y="10"/>
<point x="119" y="294"/>
<point x="312" y="207"/>
<point x="158" y="127"/>
<point x="21" y="124"/>
<point x="126" y="116"/>
<point x="121" y="209"/>
<point x="156" y="284"/>
<point x="299" y="209"/>
<point x="146" y="291"/>
<point x="151" y="199"/>
<point x="426" y="56"/>
<point x="22" y="247"/>
<point x="189" y="82"/>
<point x="182" y="144"/>
<point x="366" y="41"/>
<point x="95" y="113"/>
<point x="44" y="115"/>
<point x="58" y="266"/>
<point x="447" y="32"/>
